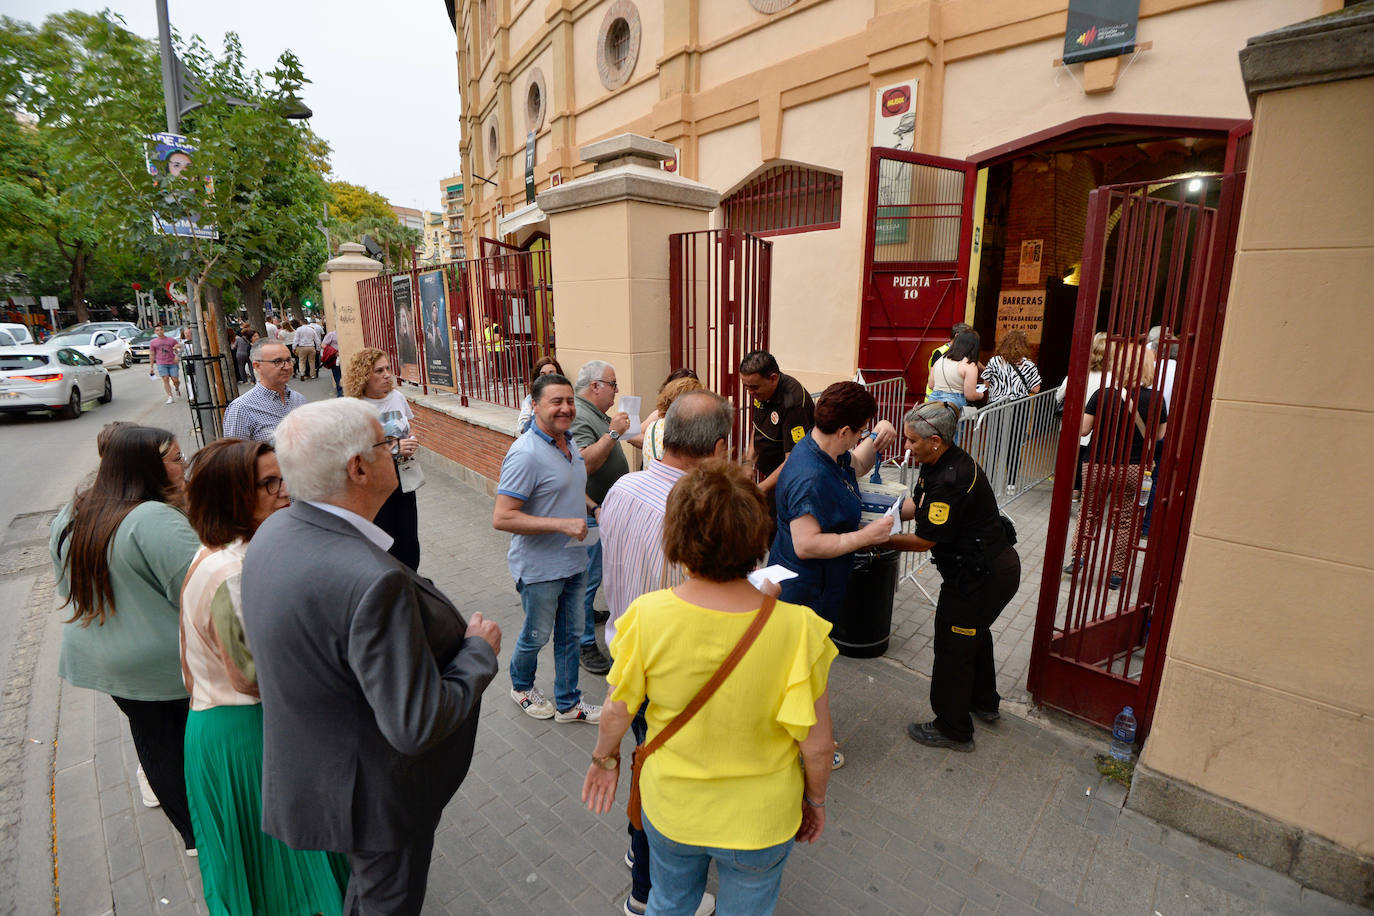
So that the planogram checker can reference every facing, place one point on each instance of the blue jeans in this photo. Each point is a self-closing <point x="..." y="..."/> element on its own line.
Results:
<point x="593" y="583"/>
<point x="551" y="609"/>
<point x="640" y="879"/>
<point x="750" y="879"/>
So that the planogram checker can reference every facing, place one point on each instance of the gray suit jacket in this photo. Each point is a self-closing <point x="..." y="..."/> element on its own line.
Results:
<point x="370" y="692"/>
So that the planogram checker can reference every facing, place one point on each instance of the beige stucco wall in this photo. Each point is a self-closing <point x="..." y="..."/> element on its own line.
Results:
<point x="782" y="38"/>
<point x="992" y="99"/>
<point x="1267" y="696"/>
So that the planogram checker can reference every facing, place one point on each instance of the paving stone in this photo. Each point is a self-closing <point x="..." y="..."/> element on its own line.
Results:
<point x="1117" y="880"/>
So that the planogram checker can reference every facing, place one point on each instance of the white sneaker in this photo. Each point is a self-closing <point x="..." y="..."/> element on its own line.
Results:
<point x="533" y="702"/>
<point x="149" y="797"/>
<point x="582" y="712"/>
<point x="169" y="399"/>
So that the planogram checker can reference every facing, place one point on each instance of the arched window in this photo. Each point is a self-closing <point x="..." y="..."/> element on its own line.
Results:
<point x="786" y="198"/>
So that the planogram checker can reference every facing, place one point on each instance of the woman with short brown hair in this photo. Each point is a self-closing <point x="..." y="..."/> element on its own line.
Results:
<point x="235" y="486"/>
<point x="726" y="786"/>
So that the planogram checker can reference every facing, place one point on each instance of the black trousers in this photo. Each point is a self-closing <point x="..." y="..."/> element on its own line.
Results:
<point x="158" y="728"/>
<point x="964" y="675"/>
<point x="400" y="518"/>
<point x="390" y="883"/>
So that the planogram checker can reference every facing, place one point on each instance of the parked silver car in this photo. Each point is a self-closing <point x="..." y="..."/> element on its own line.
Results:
<point x="47" y="377"/>
<point x="102" y="345"/>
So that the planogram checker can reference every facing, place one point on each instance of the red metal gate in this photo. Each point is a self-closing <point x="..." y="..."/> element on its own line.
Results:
<point x="916" y="260"/>
<point x="378" y="313"/>
<point x="720" y="284"/>
<point x="1155" y="254"/>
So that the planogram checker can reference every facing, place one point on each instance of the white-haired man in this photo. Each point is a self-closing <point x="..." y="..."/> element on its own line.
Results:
<point x="371" y="680"/>
<point x="256" y="413"/>
<point x="597" y="434"/>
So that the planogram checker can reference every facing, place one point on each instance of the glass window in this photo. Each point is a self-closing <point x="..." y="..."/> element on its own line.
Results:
<point x="21" y="362"/>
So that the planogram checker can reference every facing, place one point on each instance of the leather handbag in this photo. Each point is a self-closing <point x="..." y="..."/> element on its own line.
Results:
<point x="641" y="753"/>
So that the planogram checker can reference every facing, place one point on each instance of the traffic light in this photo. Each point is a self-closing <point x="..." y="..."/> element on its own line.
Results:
<point x="308" y="304"/>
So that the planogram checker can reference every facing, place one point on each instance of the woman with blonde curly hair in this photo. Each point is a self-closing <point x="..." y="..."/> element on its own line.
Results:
<point x="367" y="376"/>
<point x="653" y="430"/>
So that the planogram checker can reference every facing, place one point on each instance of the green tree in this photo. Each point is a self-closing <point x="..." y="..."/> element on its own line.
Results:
<point x="350" y="203"/>
<point x="78" y="93"/>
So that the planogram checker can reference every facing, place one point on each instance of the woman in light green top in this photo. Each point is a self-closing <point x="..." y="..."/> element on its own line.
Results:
<point x="120" y="551"/>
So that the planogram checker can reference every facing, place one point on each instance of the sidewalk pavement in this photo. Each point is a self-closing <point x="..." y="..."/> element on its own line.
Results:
<point x="1023" y="825"/>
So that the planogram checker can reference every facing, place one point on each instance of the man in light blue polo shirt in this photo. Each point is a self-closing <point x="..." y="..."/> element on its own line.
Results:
<point x="541" y="499"/>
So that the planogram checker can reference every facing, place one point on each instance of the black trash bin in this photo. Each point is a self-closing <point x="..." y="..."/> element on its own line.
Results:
<point x="865" y="623"/>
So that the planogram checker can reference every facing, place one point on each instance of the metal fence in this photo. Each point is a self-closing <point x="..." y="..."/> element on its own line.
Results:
<point x="890" y="393"/>
<point x="474" y="328"/>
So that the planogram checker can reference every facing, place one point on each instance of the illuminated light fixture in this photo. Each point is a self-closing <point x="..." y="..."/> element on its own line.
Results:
<point x="1195" y="185"/>
<point x="1073" y="276"/>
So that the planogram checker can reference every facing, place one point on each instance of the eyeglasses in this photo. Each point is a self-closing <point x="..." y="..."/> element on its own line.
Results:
<point x="272" y="485"/>
<point x="283" y="361"/>
<point x="391" y="443"/>
<point x="611" y="385"/>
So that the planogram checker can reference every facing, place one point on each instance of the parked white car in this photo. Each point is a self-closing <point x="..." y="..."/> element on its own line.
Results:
<point x="19" y="333"/>
<point x="104" y="346"/>
<point x="47" y="377"/>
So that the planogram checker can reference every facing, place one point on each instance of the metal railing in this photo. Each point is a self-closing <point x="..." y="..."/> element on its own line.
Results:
<point x="890" y="393"/>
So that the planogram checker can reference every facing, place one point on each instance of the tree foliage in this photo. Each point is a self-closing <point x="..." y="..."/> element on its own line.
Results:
<point x="350" y="203"/>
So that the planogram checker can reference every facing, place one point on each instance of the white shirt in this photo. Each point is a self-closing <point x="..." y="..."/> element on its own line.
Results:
<point x="272" y="332"/>
<point x="365" y="527"/>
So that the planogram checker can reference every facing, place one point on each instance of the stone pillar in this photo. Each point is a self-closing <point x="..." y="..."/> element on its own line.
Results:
<point x="327" y="302"/>
<point x="608" y="234"/>
<point x="342" y="275"/>
<point x="1263" y="737"/>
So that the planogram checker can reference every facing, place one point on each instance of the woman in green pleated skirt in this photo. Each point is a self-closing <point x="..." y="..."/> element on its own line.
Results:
<point x="234" y="486"/>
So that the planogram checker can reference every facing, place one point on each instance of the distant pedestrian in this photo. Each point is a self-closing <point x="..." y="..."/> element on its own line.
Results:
<point x="120" y="551"/>
<point x="308" y="351"/>
<point x="243" y="344"/>
<point x="954" y="376"/>
<point x="256" y="413"/>
<point x="235" y="486"/>
<point x="1097" y="372"/>
<point x="721" y="781"/>
<point x="545" y="366"/>
<point x="371" y="679"/>
<point x="369" y="377"/>
<point x="1011" y="376"/>
<point x="163" y="352"/>
<point x="329" y="359"/>
<point x="288" y="339"/>
<point x="696" y="427"/>
<point x="941" y="350"/>
<point x="654" y="430"/>
<point x="597" y="434"/>
<point x="541" y="500"/>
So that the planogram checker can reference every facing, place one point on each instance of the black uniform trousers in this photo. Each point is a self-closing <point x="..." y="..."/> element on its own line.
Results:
<point x="964" y="676"/>
<point x="158" y="728"/>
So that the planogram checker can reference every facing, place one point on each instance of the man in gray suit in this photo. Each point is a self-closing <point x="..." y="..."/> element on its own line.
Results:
<point x="371" y="680"/>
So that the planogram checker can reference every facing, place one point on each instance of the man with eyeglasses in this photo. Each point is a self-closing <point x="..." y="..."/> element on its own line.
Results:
<point x="256" y="413"/>
<point x="597" y="435"/>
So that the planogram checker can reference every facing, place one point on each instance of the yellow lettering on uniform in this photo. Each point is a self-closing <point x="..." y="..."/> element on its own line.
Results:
<point x="797" y="433"/>
<point x="939" y="513"/>
<point x="964" y="631"/>
<point x="756" y="403"/>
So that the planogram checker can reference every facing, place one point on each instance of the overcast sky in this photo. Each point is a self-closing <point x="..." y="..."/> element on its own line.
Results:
<point x="384" y="85"/>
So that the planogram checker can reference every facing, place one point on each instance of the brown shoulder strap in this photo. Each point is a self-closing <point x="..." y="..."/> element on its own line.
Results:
<point x="704" y="694"/>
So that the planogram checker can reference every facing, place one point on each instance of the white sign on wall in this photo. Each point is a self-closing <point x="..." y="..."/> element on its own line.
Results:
<point x="894" y="116"/>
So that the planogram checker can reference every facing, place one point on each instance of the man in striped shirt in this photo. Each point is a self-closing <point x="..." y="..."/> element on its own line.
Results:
<point x="696" y="427"/>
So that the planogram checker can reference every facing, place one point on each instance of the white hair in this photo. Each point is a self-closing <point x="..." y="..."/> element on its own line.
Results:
<point x="592" y="372"/>
<point x="315" y="442"/>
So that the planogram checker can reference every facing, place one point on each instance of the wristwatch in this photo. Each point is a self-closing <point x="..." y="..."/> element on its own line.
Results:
<point x="615" y="436"/>
<point x="609" y="762"/>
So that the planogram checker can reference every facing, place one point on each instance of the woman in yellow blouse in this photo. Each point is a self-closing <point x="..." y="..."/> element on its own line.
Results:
<point x="728" y="787"/>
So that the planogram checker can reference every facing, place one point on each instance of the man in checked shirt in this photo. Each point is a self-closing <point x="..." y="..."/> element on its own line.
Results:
<point x="697" y="427"/>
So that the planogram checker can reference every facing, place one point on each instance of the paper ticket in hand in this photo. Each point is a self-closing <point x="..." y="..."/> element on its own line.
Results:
<point x="593" y="535"/>
<point x="775" y="573"/>
<point x="895" y="513"/>
<point x="630" y="404"/>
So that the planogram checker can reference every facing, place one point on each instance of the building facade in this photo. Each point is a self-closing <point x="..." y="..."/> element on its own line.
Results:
<point x="778" y="104"/>
<point x="451" y="198"/>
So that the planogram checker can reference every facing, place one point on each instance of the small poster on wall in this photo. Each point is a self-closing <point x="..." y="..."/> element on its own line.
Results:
<point x="434" y="320"/>
<point x="1100" y="28"/>
<point x="1021" y="310"/>
<point x="894" y="127"/>
<point x="1032" y="254"/>
<point x="407" y="346"/>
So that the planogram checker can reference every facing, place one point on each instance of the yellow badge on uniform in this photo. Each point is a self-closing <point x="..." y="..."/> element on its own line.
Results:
<point x="797" y="433"/>
<point x="965" y="631"/>
<point x="939" y="513"/>
<point x="756" y="403"/>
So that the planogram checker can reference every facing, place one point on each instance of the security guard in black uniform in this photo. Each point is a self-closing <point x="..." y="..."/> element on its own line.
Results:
<point x="958" y="521"/>
<point x="783" y="414"/>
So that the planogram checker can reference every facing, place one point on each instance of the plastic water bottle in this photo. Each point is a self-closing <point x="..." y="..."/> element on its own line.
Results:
<point x="1123" y="734"/>
<point x="1146" y="484"/>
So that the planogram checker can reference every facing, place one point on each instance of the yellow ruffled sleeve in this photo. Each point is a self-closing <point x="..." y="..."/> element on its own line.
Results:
<point x="807" y="675"/>
<point x="626" y="677"/>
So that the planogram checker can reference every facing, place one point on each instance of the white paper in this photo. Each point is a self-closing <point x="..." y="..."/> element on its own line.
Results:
<point x="895" y="514"/>
<point x="775" y="573"/>
<point x="629" y="404"/>
<point x="593" y="535"/>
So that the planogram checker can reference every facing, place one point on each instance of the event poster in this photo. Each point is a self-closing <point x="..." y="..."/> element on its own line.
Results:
<point x="894" y="127"/>
<point x="168" y="157"/>
<point x="434" y="320"/>
<point x="407" y="346"/>
<point x="1032" y="255"/>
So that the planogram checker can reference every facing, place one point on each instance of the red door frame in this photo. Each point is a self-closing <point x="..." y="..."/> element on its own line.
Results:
<point x="954" y="275"/>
